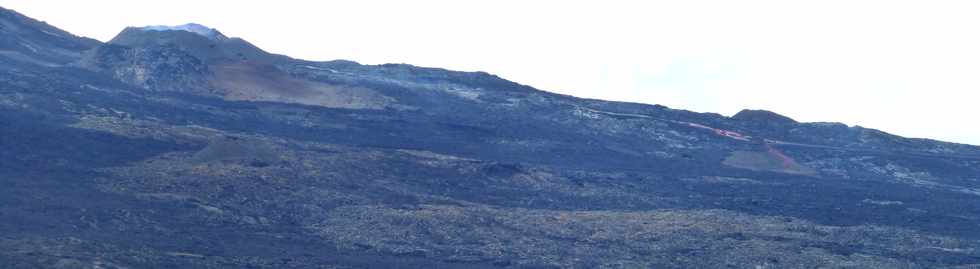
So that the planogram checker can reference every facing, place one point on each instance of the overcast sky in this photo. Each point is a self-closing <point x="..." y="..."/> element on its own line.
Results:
<point x="907" y="67"/>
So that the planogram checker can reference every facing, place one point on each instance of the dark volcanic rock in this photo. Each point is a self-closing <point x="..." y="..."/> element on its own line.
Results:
<point x="189" y="149"/>
<point x="165" y="67"/>
<point x="211" y="49"/>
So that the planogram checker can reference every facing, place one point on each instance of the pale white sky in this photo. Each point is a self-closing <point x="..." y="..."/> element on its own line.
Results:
<point x="907" y="67"/>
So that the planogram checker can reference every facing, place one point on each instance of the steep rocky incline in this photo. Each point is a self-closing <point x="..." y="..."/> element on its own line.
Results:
<point x="26" y="39"/>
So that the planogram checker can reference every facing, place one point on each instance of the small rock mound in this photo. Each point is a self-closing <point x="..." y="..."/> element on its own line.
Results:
<point x="763" y="116"/>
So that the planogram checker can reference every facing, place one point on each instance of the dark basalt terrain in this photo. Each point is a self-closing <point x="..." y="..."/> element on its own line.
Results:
<point x="171" y="149"/>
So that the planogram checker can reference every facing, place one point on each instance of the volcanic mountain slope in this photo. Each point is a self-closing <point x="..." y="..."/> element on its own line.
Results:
<point x="206" y="62"/>
<point x="26" y="39"/>
<point x="172" y="148"/>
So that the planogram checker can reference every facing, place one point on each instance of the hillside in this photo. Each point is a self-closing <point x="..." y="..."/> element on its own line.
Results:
<point x="179" y="147"/>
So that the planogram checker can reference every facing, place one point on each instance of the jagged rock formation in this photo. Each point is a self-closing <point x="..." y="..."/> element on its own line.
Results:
<point x="180" y="147"/>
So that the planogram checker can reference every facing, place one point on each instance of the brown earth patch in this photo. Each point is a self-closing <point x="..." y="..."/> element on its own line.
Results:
<point x="247" y="81"/>
<point x="771" y="160"/>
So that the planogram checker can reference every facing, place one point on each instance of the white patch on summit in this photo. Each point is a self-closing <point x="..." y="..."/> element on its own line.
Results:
<point x="190" y="27"/>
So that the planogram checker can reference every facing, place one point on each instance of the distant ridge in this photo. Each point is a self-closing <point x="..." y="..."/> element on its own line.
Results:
<point x="763" y="116"/>
<point x="202" y="30"/>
